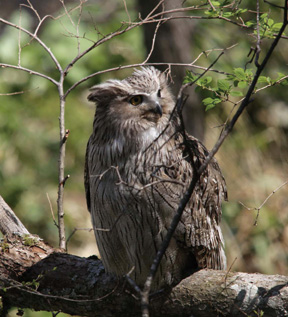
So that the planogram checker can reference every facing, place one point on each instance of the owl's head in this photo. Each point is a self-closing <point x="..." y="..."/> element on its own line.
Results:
<point x="142" y="99"/>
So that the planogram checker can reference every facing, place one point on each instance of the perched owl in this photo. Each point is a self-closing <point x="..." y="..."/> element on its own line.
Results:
<point x="136" y="172"/>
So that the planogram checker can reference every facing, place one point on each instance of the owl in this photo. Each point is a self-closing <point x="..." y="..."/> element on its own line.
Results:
<point x="137" y="169"/>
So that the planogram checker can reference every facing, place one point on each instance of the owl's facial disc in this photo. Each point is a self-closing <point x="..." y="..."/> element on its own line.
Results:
<point x="149" y="105"/>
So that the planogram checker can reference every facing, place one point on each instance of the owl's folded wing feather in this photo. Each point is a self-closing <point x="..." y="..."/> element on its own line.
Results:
<point x="87" y="178"/>
<point x="199" y="229"/>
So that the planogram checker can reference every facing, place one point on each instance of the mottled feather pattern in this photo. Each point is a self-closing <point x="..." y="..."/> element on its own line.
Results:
<point x="136" y="172"/>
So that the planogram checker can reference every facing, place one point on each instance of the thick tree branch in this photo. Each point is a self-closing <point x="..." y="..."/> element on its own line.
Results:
<point x="9" y="222"/>
<point x="32" y="277"/>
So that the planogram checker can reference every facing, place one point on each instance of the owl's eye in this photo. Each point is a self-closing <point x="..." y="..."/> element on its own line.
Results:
<point x="136" y="100"/>
<point x="159" y="93"/>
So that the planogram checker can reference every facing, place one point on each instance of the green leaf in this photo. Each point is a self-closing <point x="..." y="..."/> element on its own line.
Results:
<point x="250" y="23"/>
<point x="204" y="81"/>
<point x="211" y="13"/>
<point x="189" y="78"/>
<point x="230" y="76"/>
<point x="276" y="27"/>
<point x="240" y="11"/>
<point x="210" y="103"/>
<point x="236" y="93"/>
<point x="223" y="84"/>
<point x="207" y="101"/>
<point x="264" y="15"/>
<point x="270" y="22"/>
<point x="227" y="14"/>
<point x="242" y="84"/>
<point x="249" y="72"/>
<point x="284" y="82"/>
<point x="210" y="106"/>
<point x="262" y="80"/>
<point x="239" y="73"/>
<point x="280" y="75"/>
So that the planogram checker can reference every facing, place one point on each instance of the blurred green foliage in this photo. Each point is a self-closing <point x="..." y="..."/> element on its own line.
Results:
<point x="253" y="159"/>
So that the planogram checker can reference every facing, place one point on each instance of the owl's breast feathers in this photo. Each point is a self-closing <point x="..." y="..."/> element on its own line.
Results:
<point x="148" y="185"/>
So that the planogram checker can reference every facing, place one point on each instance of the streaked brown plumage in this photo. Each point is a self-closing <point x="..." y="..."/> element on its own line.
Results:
<point x="137" y="169"/>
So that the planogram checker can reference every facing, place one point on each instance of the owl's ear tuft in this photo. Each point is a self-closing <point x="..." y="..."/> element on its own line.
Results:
<point x="107" y="91"/>
<point x="163" y="79"/>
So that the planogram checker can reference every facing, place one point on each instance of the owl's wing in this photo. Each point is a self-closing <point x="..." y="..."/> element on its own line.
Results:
<point x="87" y="178"/>
<point x="199" y="229"/>
<point x="203" y="213"/>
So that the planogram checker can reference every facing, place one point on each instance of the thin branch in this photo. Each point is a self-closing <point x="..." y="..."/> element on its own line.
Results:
<point x="126" y="10"/>
<point x="19" y="39"/>
<point x="52" y="212"/>
<point x="193" y="17"/>
<point x="213" y="8"/>
<point x="258" y="47"/>
<point x="30" y="6"/>
<point x="61" y="165"/>
<point x="78" y="24"/>
<point x="273" y="4"/>
<point x="117" y="68"/>
<point x="12" y="93"/>
<point x="264" y="202"/>
<point x="79" y="229"/>
<point x="149" y="19"/>
<point x="153" y="42"/>
<point x="30" y="71"/>
<point x="34" y="36"/>
<point x="66" y="12"/>
<point x="155" y="9"/>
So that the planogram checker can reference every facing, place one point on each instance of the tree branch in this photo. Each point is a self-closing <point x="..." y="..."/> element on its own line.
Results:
<point x="32" y="276"/>
<point x="9" y="222"/>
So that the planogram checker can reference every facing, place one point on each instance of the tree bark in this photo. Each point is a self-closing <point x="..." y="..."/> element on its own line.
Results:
<point x="32" y="276"/>
<point x="9" y="222"/>
<point x="35" y="275"/>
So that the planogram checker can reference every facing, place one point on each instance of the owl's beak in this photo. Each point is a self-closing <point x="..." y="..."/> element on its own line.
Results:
<point x="157" y="109"/>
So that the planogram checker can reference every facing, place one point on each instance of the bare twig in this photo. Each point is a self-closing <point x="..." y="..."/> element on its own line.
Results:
<point x="67" y="12"/>
<point x="52" y="211"/>
<point x="273" y="4"/>
<point x="213" y="8"/>
<point x="19" y="39"/>
<point x="79" y="229"/>
<point x="30" y="6"/>
<point x="258" y="47"/>
<point x="138" y="65"/>
<point x="12" y="93"/>
<point x="127" y="11"/>
<point x="61" y="164"/>
<point x="34" y="36"/>
<point x="263" y="203"/>
<point x="153" y="42"/>
<point x="30" y="71"/>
